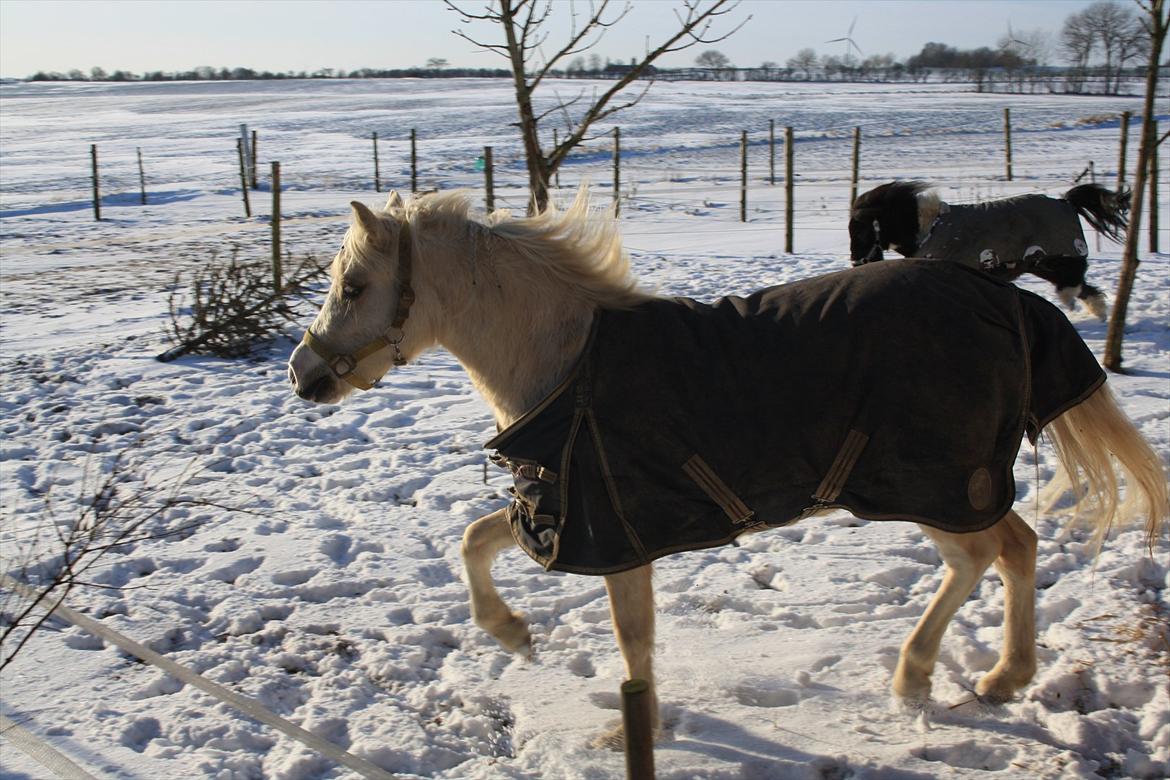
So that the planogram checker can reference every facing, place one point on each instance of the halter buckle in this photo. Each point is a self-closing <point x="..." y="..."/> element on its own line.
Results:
<point x="343" y="365"/>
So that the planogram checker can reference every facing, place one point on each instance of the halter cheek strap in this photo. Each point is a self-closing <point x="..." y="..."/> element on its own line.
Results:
<point x="345" y="365"/>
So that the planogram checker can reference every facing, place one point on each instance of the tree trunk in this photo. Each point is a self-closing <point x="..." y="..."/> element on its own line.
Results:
<point x="1129" y="259"/>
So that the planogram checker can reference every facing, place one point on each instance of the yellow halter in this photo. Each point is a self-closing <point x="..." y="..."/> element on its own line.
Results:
<point x="345" y="365"/>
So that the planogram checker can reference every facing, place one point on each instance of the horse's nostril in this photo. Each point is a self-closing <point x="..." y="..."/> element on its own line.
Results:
<point x="317" y="390"/>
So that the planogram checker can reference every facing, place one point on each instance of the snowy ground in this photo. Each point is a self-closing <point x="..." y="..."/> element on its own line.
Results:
<point x="336" y="598"/>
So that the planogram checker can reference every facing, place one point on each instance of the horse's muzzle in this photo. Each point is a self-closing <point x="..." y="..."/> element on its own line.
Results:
<point x="872" y="256"/>
<point x="313" y="382"/>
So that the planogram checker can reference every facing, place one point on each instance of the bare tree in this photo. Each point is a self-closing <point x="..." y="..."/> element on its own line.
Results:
<point x="1114" y="30"/>
<point x="713" y="58"/>
<point x="521" y="24"/>
<point x="1155" y="23"/>
<point x="1076" y="41"/>
<point x="806" y="60"/>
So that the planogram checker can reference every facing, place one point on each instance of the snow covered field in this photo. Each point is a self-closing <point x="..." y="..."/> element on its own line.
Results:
<point x="336" y="599"/>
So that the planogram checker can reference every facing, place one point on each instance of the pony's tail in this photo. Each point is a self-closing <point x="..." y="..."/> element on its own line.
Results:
<point x="1107" y="211"/>
<point x="1095" y="441"/>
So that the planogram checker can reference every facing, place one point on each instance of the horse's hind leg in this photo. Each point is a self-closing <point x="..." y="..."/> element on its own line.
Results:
<point x="966" y="556"/>
<point x="1094" y="300"/>
<point x="482" y="542"/>
<point x="631" y="603"/>
<point x="1016" y="565"/>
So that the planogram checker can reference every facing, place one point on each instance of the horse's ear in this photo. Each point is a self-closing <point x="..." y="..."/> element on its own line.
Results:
<point x="395" y="201"/>
<point x="367" y="220"/>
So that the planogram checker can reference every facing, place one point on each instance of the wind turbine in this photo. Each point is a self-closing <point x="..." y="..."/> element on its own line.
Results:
<point x="1007" y="42"/>
<point x="849" y="42"/>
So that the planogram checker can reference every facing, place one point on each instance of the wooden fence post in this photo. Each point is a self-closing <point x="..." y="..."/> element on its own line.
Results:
<point x="255" y="181"/>
<point x="856" y="165"/>
<point x="789" y="190"/>
<point x="743" y="178"/>
<point x="413" y="160"/>
<point x="377" y="173"/>
<point x="244" y="141"/>
<point x="1124" y="144"/>
<point x="617" y="170"/>
<point x="1007" y="140"/>
<point x="487" y="179"/>
<point x="97" y="200"/>
<point x="243" y="178"/>
<point x="141" y="175"/>
<point x="772" y="152"/>
<point x="636" y="720"/>
<point x="1154" y="193"/>
<point x="276" y="270"/>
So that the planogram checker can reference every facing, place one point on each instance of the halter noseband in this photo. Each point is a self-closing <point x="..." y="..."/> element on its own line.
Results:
<point x="345" y="365"/>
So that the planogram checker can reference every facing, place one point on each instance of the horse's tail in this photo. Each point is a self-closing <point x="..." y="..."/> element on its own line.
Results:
<point x="1107" y="211"/>
<point x="1095" y="442"/>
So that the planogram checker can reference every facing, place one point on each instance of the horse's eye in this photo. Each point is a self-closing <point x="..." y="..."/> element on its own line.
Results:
<point x="350" y="292"/>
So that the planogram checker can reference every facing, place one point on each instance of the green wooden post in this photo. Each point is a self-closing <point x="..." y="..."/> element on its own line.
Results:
<point x="487" y="179"/>
<point x="636" y="721"/>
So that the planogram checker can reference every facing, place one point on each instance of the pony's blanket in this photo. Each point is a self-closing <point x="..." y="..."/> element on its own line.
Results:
<point x="1005" y="232"/>
<point x="899" y="391"/>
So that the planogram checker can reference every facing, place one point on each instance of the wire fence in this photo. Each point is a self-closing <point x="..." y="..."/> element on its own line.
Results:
<point x="701" y="175"/>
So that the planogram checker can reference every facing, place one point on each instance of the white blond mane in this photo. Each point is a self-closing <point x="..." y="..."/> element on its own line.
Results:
<point x="929" y="207"/>
<point x="578" y="247"/>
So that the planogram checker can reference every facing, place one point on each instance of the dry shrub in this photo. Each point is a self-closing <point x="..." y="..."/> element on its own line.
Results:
<point x="228" y="309"/>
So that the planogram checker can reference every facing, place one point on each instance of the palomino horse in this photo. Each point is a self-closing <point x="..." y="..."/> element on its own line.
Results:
<point x="515" y="301"/>
<point x="1032" y="234"/>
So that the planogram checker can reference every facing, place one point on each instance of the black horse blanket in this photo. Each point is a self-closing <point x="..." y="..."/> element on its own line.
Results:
<point x="684" y="424"/>
<point x="1005" y="233"/>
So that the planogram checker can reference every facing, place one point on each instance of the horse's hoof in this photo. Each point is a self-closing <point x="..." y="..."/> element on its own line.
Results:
<point x="614" y="738"/>
<point x="1096" y="305"/>
<point x="514" y="636"/>
<point x="910" y="705"/>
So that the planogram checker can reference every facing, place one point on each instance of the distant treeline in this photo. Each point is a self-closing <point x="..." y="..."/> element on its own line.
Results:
<point x="248" y="74"/>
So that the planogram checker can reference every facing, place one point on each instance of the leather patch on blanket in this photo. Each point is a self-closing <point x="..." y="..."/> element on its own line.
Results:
<point x="899" y="391"/>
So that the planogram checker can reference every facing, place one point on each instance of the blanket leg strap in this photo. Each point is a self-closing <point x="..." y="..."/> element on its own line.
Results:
<point x="697" y="469"/>
<point x="834" y="482"/>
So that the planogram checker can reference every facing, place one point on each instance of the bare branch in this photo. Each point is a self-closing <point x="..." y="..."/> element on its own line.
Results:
<point x="579" y="40"/>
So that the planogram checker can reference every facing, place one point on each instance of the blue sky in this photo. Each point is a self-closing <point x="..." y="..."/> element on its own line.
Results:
<point x="281" y="35"/>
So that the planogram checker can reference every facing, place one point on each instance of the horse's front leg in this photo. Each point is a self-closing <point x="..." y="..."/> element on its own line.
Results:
<point x="482" y="542"/>
<point x="631" y="604"/>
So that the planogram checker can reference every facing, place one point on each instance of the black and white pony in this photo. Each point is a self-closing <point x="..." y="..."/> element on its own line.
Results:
<point x="1032" y="234"/>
